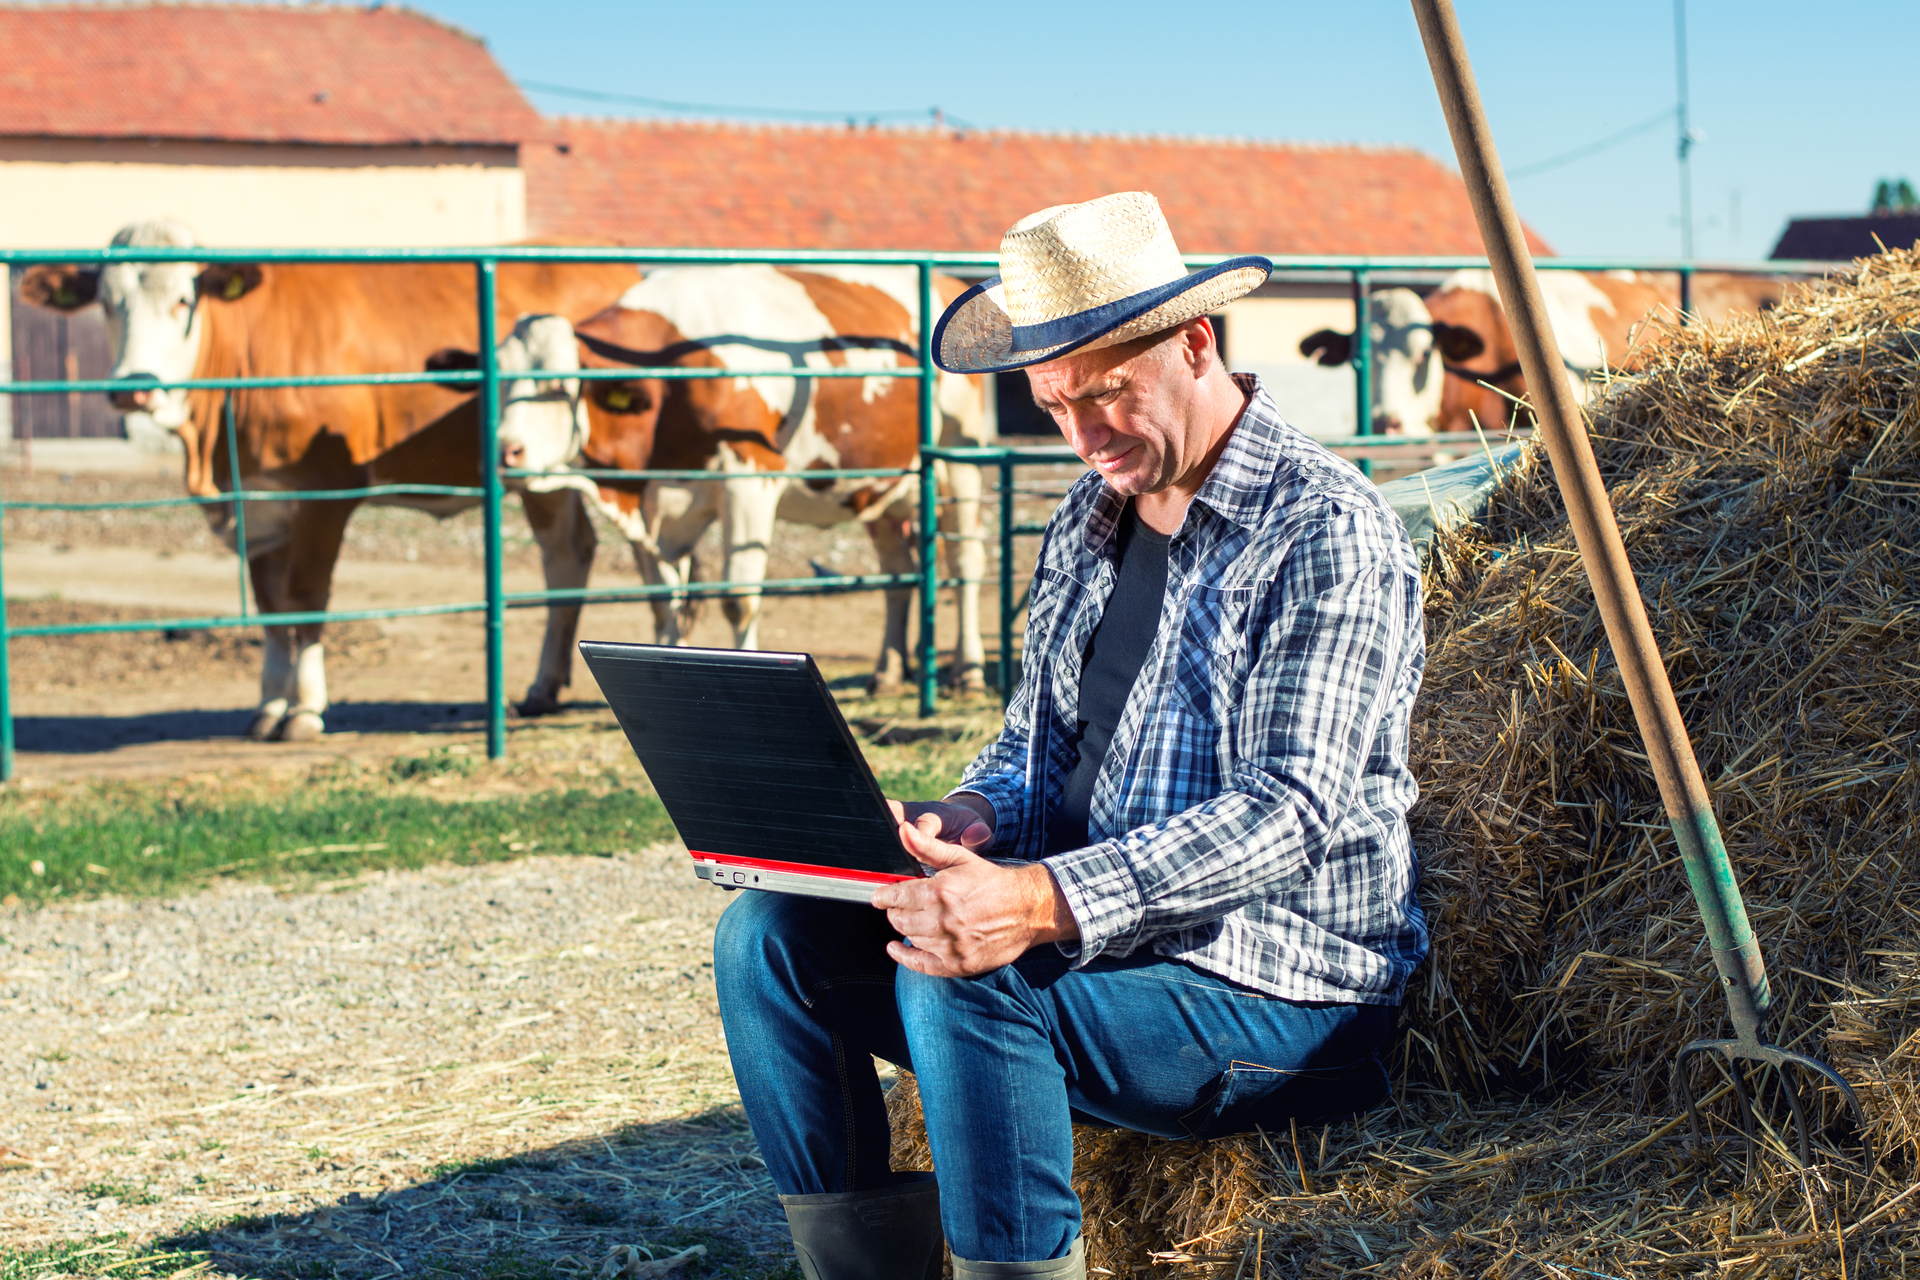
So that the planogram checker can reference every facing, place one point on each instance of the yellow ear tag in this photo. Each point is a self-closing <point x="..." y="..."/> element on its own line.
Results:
<point x="236" y="285"/>
<point x="618" y="399"/>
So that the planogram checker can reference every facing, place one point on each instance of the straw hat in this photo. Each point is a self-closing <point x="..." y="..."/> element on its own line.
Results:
<point x="1080" y="276"/>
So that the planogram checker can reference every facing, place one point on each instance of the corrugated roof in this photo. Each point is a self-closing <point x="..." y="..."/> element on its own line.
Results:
<point x="252" y="73"/>
<point x="1841" y="239"/>
<point x="679" y="184"/>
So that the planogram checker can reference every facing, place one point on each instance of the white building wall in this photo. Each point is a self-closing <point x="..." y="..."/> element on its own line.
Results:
<point x="1263" y="337"/>
<point x="64" y="194"/>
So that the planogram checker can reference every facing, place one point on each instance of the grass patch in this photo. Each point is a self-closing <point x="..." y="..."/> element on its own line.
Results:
<point x="342" y="818"/>
<point x="124" y="1192"/>
<point x="95" y="1256"/>
<point x="132" y="839"/>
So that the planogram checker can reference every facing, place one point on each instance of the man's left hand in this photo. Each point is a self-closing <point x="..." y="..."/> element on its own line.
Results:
<point x="971" y="915"/>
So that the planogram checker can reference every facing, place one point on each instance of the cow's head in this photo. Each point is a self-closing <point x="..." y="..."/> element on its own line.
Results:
<point x="155" y="312"/>
<point x="543" y="424"/>
<point x="1405" y="364"/>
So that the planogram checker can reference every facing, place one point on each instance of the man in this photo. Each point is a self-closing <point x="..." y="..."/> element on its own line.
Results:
<point x="1200" y="915"/>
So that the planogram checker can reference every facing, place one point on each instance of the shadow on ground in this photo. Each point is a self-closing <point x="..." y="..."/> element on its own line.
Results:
<point x="661" y="1188"/>
<point x="83" y="735"/>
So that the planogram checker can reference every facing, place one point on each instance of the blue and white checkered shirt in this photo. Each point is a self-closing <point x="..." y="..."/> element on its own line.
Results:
<point x="1251" y="814"/>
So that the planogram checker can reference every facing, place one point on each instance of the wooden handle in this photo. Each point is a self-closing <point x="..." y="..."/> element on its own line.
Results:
<point x="1736" y="953"/>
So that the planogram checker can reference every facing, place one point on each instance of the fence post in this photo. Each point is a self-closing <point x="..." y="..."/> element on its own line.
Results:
<point x="1006" y="577"/>
<point x="6" y="678"/>
<point x="1686" y="291"/>
<point x="490" y="511"/>
<point x="1361" y="360"/>
<point x="239" y="507"/>
<point x="929" y="510"/>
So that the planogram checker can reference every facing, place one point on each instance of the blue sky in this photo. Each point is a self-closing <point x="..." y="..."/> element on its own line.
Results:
<point x="1802" y="106"/>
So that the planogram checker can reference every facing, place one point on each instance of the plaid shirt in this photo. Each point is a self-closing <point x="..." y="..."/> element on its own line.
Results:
<point x="1251" y="814"/>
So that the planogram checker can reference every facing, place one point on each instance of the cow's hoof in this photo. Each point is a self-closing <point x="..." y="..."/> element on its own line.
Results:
<point x="885" y="684"/>
<point x="538" y="704"/>
<point x="969" y="679"/>
<point x="301" y="726"/>
<point x="264" y="724"/>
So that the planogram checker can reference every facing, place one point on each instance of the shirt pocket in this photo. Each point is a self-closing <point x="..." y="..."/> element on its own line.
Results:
<point x="1210" y="670"/>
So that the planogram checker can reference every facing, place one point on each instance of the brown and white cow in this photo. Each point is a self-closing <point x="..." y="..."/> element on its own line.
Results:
<point x="1464" y="366"/>
<point x="1467" y="367"/>
<point x="174" y="321"/>
<point x="759" y="436"/>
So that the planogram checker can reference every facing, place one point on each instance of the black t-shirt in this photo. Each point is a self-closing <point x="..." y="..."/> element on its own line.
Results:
<point x="1115" y="654"/>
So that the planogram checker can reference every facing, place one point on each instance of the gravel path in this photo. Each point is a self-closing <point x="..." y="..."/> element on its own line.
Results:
<point x="313" y="1069"/>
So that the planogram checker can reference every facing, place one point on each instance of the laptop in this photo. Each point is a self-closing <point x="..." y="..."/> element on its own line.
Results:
<point x="756" y="766"/>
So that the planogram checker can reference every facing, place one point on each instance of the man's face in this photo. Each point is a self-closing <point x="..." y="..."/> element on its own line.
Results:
<point x="1128" y="412"/>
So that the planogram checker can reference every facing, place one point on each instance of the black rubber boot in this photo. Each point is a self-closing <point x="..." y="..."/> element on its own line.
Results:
<point x="1071" y="1267"/>
<point x="888" y="1233"/>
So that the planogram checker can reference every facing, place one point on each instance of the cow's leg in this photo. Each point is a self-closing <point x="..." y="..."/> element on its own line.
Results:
<point x="314" y="544"/>
<point x="269" y="575"/>
<point x="967" y="561"/>
<point x="565" y="533"/>
<point x="894" y="549"/>
<point x="676" y="516"/>
<point x="747" y="529"/>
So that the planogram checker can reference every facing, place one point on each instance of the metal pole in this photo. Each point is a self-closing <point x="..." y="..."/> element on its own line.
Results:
<point x="1686" y="293"/>
<point x="1006" y="579"/>
<point x="6" y="681"/>
<point x="1361" y="361"/>
<point x="239" y="503"/>
<point x="490" y="512"/>
<point x="1689" y="809"/>
<point x="1681" y="114"/>
<point x="929" y="512"/>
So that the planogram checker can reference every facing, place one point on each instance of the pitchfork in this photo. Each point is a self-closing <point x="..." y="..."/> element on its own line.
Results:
<point x="1736" y="953"/>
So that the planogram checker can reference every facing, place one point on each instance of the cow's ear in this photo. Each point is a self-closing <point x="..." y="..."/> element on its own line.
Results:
<point x="1327" y="347"/>
<point x="454" y="360"/>
<point x="622" y="397"/>
<point x="228" y="281"/>
<point x="60" y="287"/>
<point x="1457" y="343"/>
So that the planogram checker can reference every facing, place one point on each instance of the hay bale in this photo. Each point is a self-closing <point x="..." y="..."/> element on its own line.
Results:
<point x="1766" y="476"/>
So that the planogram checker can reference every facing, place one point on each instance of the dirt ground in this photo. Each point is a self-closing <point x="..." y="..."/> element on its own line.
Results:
<point x="147" y="704"/>
<point x="408" y="1070"/>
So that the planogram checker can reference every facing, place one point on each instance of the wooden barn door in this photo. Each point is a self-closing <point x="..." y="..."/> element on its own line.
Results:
<point x="48" y="345"/>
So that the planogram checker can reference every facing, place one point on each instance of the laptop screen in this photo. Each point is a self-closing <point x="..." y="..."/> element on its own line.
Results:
<point x="750" y="755"/>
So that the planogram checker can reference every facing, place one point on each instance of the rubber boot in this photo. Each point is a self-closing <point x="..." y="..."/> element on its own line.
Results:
<point x="888" y="1233"/>
<point x="1071" y="1267"/>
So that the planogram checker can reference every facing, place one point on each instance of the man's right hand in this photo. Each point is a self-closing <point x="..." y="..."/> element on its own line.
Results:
<point x="962" y="823"/>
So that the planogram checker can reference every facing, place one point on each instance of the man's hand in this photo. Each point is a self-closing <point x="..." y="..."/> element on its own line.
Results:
<point x="971" y="915"/>
<point x="965" y="820"/>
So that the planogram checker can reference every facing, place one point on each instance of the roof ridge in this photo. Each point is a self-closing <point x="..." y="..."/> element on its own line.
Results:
<point x="855" y="125"/>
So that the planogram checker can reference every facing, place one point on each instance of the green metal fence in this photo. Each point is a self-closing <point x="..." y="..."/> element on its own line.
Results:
<point x="1362" y="273"/>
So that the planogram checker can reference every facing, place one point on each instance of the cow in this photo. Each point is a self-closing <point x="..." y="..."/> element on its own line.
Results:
<point x="1595" y="316"/>
<point x="175" y="321"/>
<point x="1404" y="365"/>
<point x="759" y="436"/>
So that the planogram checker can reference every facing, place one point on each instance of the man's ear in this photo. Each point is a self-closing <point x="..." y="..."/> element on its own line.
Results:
<point x="60" y="286"/>
<point x="228" y="281"/>
<point x="1327" y="347"/>
<point x="454" y="360"/>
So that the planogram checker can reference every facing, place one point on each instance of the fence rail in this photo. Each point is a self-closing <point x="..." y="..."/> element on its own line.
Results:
<point x="1363" y="273"/>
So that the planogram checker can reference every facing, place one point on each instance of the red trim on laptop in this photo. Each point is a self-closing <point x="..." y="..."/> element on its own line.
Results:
<point x="803" y="868"/>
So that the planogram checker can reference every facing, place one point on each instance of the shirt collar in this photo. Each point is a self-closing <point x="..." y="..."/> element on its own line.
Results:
<point x="1238" y="487"/>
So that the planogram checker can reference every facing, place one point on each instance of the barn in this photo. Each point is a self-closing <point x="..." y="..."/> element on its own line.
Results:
<point x="260" y="126"/>
<point x="335" y="125"/>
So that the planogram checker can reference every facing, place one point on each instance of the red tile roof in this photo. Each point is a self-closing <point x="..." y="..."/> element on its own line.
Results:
<point x="252" y="73"/>
<point x="677" y="184"/>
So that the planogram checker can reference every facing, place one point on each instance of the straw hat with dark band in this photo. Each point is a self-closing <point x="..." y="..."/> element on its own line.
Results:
<point x="1080" y="276"/>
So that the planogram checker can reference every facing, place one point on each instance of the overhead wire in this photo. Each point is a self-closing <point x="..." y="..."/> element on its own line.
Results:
<point x="1593" y="148"/>
<point x="934" y="114"/>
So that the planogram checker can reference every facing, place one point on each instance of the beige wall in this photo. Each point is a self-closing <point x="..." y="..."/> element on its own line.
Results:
<point x="63" y="194"/>
<point x="1263" y="337"/>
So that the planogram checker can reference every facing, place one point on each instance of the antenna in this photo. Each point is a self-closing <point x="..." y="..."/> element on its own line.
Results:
<point x="1686" y="129"/>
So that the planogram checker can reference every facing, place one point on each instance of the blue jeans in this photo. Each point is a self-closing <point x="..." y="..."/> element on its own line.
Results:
<point x="1006" y="1063"/>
